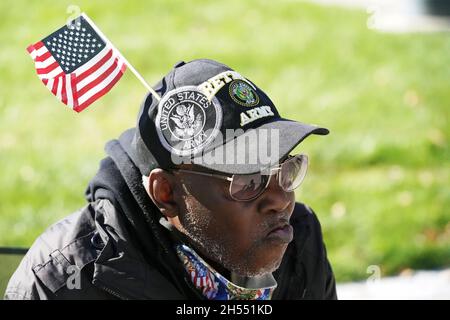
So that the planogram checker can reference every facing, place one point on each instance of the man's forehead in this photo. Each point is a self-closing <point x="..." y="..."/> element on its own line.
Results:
<point x="195" y="167"/>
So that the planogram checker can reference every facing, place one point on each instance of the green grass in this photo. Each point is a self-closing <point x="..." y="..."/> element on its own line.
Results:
<point x="379" y="182"/>
<point x="8" y="263"/>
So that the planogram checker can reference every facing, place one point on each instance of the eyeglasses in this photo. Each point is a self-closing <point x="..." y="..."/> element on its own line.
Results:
<point x="247" y="187"/>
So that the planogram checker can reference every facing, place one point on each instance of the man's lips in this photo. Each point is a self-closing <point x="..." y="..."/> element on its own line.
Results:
<point x="282" y="232"/>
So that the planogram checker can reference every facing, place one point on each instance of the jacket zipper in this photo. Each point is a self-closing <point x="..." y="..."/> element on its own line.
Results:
<point x="299" y="246"/>
<point x="101" y="286"/>
<point x="300" y="250"/>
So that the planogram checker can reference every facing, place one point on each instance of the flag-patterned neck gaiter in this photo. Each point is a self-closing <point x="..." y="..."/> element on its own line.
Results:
<point x="212" y="284"/>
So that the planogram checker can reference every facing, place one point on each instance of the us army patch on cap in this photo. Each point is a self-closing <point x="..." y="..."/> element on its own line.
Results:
<point x="187" y="121"/>
<point x="242" y="93"/>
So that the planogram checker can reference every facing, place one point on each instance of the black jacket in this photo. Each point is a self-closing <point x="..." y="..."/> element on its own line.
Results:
<point x="115" y="247"/>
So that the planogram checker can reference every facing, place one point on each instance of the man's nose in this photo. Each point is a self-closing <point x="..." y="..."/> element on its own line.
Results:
<point x="274" y="199"/>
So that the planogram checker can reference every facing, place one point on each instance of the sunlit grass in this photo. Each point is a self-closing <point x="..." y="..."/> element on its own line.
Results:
<point x="378" y="182"/>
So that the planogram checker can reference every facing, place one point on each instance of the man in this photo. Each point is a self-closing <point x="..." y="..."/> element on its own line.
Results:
<point x="196" y="202"/>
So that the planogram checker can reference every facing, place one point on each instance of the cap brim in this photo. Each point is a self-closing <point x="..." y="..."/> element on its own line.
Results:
<point x="290" y="134"/>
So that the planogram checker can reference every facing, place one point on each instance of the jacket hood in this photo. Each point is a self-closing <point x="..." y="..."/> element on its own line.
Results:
<point x="119" y="181"/>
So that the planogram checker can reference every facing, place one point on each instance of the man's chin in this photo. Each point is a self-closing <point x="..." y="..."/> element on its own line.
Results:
<point x="258" y="272"/>
<point x="274" y="256"/>
<point x="267" y="263"/>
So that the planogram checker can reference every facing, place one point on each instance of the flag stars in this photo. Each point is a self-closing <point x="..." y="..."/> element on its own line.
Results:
<point x="72" y="47"/>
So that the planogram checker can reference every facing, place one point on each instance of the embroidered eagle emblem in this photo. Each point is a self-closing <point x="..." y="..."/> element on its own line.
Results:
<point x="186" y="123"/>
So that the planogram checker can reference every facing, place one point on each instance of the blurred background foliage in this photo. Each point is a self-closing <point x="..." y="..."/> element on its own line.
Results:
<point x="379" y="182"/>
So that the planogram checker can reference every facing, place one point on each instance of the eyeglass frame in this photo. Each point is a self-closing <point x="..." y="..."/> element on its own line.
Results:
<point x="230" y="179"/>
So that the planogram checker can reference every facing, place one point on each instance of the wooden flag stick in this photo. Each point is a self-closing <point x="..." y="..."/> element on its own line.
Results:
<point x="146" y="85"/>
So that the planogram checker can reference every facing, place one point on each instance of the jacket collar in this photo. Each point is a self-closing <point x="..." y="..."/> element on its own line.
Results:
<point x="120" y="268"/>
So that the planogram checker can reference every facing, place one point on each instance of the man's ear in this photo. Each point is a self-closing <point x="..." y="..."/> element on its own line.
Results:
<point x="160" y="188"/>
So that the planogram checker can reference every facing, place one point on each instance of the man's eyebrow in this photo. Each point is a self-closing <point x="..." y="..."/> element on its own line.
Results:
<point x="194" y="167"/>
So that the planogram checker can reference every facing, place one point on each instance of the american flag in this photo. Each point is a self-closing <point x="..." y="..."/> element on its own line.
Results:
<point x="77" y="64"/>
<point x="204" y="280"/>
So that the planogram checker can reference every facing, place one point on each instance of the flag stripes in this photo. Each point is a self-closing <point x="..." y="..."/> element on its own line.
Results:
<point x="96" y="72"/>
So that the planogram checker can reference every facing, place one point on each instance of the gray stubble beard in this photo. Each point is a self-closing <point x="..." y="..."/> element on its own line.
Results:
<point x="196" y="221"/>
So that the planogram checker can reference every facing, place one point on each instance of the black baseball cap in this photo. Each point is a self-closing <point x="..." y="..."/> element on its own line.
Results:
<point x="212" y="116"/>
